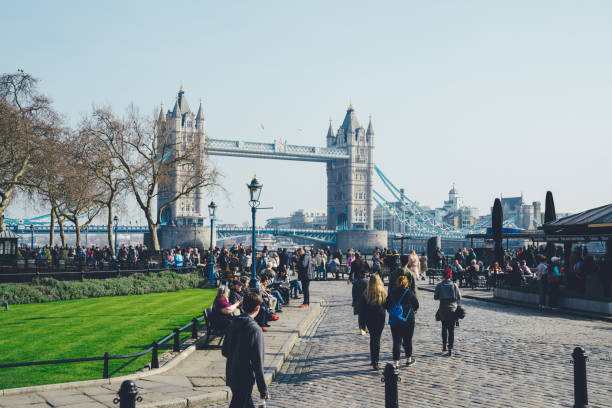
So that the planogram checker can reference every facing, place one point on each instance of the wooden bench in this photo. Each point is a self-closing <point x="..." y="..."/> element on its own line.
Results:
<point x="434" y="274"/>
<point x="211" y="331"/>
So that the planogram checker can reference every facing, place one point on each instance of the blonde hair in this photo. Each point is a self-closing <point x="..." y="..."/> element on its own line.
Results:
<point x="375" y="292"/>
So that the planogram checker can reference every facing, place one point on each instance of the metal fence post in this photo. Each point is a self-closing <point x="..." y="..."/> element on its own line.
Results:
<point x="175" y="346"/>
<point x="155" y="357"/>
<point x="391" y="378"/>
<point x="128" y="395"/>
<point x="106" y="358"/>
<point x="581" y="399"/>
<point x="194" y="328"/>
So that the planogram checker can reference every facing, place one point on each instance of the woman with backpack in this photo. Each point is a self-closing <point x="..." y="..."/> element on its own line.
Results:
<point x="402" y="305"/>
<point x="448" y="294"/>
<point x="373" y="306"/>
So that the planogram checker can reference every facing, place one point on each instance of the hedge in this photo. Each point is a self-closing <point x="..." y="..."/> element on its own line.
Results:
<point x="49" y="289"/>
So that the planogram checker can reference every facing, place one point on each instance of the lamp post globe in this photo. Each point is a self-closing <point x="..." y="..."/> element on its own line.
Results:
<point x="254" y="192"/>
<point x="212" y="209"/>
<point x="116" y="221"/>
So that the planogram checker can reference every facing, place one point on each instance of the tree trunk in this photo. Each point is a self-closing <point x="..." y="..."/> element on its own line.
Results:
<point x="77" y="230"/>
<point x="154" y="239"/>
<point x="52" y="228"/>
<point x="60" y="222"/>
<point x="109" y="224"/>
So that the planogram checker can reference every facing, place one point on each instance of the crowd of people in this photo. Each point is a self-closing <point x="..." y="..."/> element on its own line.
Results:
<point x="547" y="268"/>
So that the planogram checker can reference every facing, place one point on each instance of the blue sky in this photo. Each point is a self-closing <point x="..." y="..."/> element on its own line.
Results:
<point x="498" y="97"/>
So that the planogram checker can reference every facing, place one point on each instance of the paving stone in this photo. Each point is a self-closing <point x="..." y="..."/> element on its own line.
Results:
<point x="506" y="356"/>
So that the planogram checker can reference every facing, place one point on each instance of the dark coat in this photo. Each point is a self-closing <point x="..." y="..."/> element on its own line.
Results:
<point x="448" y="294"/>
<point x="359" y="288"/>
<point x="244" y="349"/>
<point x="375" y="315"/>
<point x="304" y="267"/>
<point x="409" y="302"/>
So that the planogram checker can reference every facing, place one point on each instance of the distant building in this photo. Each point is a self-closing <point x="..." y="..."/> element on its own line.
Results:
<point x="300" y="219"/>
<point x="453" y="212"/>
<point x="522" y="215"/>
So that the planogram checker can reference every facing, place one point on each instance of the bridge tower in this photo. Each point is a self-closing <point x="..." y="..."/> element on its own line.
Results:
<point x="186" y="129"/>
<point x="350" y="183"/>
<point x="184" y="219"/>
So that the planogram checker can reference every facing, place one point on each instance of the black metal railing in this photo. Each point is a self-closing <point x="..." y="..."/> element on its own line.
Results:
<point x="153" y="349"/>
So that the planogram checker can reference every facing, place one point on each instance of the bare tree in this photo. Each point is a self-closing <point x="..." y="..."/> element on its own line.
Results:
<point x="26" y="119"/>
<point x="97" y="131"/>
<point x="148" y="155"/>
<point x="81" y="191"/>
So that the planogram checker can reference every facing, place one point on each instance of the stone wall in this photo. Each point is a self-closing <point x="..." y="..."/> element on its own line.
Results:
<point x="183" y="236"/>
<point x="364" y="240"/>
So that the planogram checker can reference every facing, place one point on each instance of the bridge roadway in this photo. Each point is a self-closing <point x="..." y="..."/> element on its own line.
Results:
<point x="278" y="150"/>
<point x="417" y="241"/>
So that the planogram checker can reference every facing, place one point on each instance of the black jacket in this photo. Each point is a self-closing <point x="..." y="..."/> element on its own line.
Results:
<point x="359" y="288"/>
<point x="235" y="296"/>
<point x="409" y="302"/>
<point x="375" y="315"/>
<point x="244" y="349"/>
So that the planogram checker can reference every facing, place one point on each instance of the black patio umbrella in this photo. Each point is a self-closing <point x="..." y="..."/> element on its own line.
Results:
<point x="549" y="208"/>
<point x="496" y="226"/>
<point x="549" y="216"/>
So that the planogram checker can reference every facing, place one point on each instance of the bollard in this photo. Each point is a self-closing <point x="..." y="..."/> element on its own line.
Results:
<point x="194" y="328"/>
<point x="105" y="372"/>
<point x="155" y="357"/>
<point x="391" y="378"/>
<point x="128" y="395"/>
<point x="581" y="399"/>
<point x="175" y="346"/>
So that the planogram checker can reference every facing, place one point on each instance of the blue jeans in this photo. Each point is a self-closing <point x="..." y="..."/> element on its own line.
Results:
<point x="321" y="272"/>
<point x="361" y="321"/>
<point x="295" y="285"/>
<point x="278" y="296"/>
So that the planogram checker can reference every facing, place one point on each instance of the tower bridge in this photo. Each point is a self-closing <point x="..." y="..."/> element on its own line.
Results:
<point x="348" y="155"/>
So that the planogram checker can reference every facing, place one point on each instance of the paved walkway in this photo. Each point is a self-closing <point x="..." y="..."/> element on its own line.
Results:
<point x="197" y="380"/>
<point x="507" y="356"/>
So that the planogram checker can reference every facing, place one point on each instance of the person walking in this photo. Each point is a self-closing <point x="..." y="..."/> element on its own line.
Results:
<point x="374" y="314"/>
<point x="305" y="275"/>
<point x="359" y="287"/>
<point x="403" y="271"/>
<point x="244" y="350"/>
<point x="402" y="305"/>
<point x="554" y="282"/>
<point x="448" y="294"/>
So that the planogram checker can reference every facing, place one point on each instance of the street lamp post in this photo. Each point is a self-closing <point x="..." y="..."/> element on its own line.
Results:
<point x="254" y="191"/>
<point x="212" y="208"/>
<point x="116" y="221"/>
<point x="32" y="236"/>
<point x="87" y="235"/>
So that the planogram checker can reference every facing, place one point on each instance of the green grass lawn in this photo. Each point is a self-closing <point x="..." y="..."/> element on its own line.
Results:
<point x="88" y="328"/>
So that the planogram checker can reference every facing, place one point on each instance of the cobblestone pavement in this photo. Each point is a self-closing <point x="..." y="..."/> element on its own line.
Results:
<point x="506" y="357"/>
